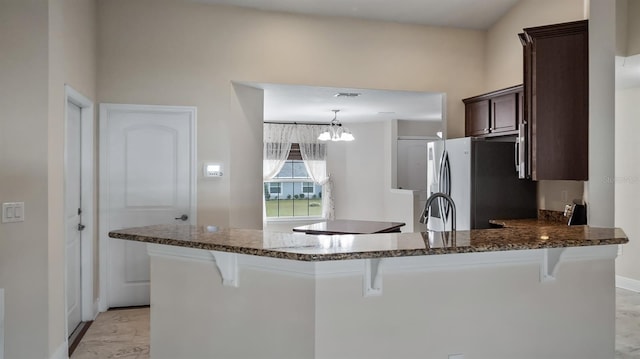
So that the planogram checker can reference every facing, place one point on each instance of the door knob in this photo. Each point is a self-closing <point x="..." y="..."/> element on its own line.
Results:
<point x="184" y="217"/>
<point x="81" y="226"/>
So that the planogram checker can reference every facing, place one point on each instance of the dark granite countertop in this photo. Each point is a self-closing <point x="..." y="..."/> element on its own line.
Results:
<point x="545" y="218"/>
<point x="305" y="247"/>
<point x="523" y="223"/>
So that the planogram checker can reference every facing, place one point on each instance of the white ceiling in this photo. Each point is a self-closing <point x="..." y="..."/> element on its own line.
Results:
<point x="294" y="103"/>
<point x="468" y="14"/>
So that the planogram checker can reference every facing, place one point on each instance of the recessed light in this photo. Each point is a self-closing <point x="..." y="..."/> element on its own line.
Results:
<point x="347" y="94"/>
<point x="386" y="112"/>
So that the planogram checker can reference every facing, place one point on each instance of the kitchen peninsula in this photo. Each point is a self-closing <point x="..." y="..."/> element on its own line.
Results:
<point x="536" y="292"/>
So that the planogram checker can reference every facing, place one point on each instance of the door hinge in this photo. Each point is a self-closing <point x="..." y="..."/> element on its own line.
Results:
<point x="79" y="211"/>
<point x="81" y="226"/>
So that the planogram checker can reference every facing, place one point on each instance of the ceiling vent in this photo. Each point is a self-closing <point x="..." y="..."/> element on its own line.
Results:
<point x="347" y="94"/>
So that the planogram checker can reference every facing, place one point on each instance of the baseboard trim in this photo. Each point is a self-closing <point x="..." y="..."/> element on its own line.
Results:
<point x="62" y="352"/>
<point x="628" y="283"/>
<point x="77" y="336"/>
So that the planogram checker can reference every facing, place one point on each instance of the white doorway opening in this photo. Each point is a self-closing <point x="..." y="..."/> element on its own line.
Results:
<point x="78" y="197"/>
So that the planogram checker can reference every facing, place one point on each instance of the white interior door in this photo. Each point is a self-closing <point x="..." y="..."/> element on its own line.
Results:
<point x="73" y="216"/>
<point x="147" y="170"/>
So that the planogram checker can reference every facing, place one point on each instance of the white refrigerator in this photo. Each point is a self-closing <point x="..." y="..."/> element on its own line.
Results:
<point x="482" y="179"/>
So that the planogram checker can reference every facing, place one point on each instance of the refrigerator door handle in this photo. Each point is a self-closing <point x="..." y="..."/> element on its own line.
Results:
<point x="516" y="154"/>
<point x="444" y="186"/>
<point x="521" y="148"/>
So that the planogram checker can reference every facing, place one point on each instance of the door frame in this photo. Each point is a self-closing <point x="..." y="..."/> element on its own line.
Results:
<point x="103" y="230"/>
<point x="87" y="168"/>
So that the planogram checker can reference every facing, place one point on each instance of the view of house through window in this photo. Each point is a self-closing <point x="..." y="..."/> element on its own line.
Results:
<point x="292" y="193"/>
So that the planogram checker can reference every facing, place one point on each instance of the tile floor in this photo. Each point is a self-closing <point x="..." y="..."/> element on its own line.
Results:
<point x="116" y="334"/>
<point x="125" y="333"/>
<point x="627" y="324"/>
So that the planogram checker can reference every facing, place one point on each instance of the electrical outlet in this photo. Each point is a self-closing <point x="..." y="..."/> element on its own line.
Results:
<point x="564" y="196"/>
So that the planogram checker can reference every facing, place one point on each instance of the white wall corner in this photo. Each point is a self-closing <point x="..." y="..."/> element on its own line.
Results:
<point x="62" y="352"/>
<point x="628" y="283"/>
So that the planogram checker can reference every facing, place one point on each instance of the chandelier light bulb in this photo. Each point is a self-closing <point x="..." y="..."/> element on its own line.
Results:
<point x="335" y="131"/>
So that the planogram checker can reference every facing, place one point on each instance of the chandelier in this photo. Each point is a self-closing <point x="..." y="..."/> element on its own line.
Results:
<point x="335" y="131"/>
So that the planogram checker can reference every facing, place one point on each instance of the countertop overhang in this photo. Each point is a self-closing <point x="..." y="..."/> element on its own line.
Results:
<point x="302" y="247"/>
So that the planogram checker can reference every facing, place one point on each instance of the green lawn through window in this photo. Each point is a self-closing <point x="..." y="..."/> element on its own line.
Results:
<point x="294" y="207"/>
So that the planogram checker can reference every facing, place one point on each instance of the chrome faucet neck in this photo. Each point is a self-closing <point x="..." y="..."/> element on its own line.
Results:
<point x="424" y="217"/>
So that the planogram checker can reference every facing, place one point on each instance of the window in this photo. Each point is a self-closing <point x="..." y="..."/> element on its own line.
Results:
<point x="292" y="192"/>
<point x="274" y="187"/>
<point x="307" y="187"/>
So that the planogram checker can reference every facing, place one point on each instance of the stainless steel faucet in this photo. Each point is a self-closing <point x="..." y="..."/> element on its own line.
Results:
<point x="424" y="217"/>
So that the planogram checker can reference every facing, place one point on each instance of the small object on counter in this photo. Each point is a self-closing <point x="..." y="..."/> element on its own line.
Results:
<point x="577" y="213"/>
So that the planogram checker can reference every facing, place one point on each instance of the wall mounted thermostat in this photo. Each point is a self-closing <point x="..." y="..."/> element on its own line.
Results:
<point x="212" y="169"/>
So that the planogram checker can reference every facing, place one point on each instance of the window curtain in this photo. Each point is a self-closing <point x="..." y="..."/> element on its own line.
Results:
<point x="276" y="146"/>
<point x="314" y="156"/>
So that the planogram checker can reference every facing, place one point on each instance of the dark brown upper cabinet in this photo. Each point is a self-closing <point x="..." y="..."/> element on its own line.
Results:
<point x="494" y="114"/>
<point x="555" y="129"/>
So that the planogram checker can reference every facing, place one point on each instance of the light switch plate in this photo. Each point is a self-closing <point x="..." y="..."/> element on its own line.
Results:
<point x="12" y="212"/>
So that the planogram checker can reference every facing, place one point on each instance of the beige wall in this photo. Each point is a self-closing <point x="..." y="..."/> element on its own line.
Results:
<point x="622" y="20"/>
<point x="627" y="27"/>
<point x="178" y="53"/>
<point x="419" y="128"/>
<point x="44" y="46"/>
<point x="627" y="180"/>
<point x="503" y="56"/>
<point x="72" y="61"/>
<point x="23" y="175"/>
<point x="633" y="28"/>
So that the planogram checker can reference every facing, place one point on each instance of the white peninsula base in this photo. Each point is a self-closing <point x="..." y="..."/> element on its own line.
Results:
<point x="543" y="303"/>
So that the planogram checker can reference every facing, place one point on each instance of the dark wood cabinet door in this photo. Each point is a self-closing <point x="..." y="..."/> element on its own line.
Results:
<point x="494" y="113"/>
<point x="477" y="118"/>
<point x="558" y="100"/>
<point x="504" y="113"/>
